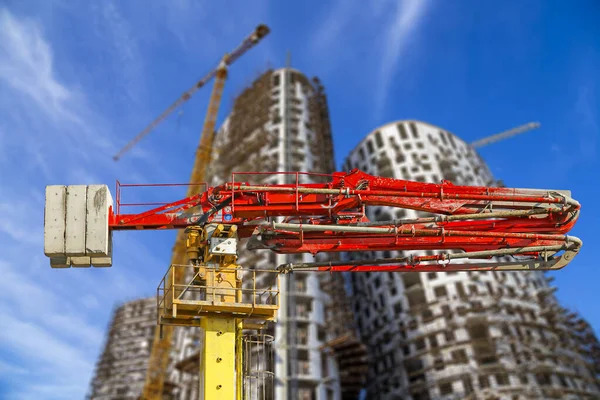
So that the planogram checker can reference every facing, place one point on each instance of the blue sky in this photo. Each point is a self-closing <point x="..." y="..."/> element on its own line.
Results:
<point x="78" y="80"/>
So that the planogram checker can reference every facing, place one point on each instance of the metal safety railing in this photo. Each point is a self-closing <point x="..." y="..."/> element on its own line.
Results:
<point x="209" y="290"/>
<point x="120" y="188"/>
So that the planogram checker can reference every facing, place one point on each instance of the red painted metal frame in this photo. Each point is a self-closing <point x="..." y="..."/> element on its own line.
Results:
<point x="533" y="219"/>
<point x="151" y="217"/>
<point x="296" y="174"/>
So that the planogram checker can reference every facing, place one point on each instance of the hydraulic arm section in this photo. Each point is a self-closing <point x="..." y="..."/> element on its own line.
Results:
<point x="470" y="225"/>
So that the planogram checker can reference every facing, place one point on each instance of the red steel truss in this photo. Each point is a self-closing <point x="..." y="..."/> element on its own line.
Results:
<point x="470" y="227"/>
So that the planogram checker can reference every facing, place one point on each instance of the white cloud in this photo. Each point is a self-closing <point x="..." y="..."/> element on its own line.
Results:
<point x="126" y="48"/>
<point x="330" y="30"/>
<point x="53" y="321"/>
<point x="38" y="345"/>
<point x="12" y="225"/>
<point x="36" y="101"/>
<point x="583" y="116"/>
<point x="26" y="65"/>
<point x="50" y="362"/>
<point x="8" y="369"/>
<point x="397" y="38"/>
<point x="51" y="342"/>
<point x="189" y="20"/>
<point x="90" y="302"/>
<point x="371" y="39"/>
<point x="334" y="41"/>
<point x="180" y="15"/>
<point x="30" y="388"/>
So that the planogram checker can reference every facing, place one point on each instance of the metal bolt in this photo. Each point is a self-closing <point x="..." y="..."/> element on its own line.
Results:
<point x="219" y="359"/>
<point x="219" y="333"/>
<point x="219" y="387"/>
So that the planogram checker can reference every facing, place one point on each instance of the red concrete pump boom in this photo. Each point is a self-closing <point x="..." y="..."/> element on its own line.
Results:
<point x="461" y="228"/>
<point x="469" y="227"/>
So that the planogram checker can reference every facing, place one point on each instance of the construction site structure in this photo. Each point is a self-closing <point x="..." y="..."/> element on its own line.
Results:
<point x="253" y="137"/>
<point x="342" y="337"/>
<point x="343" y="340"/>
<point x="458" y="334"/>
<point x="206" y="287"/>
<point x="161" y="350"/>
<point x="477" y="224"/>
<point x="472" y="226"/>
<point x="120" y="372"/>
<point x="281" y="123"/>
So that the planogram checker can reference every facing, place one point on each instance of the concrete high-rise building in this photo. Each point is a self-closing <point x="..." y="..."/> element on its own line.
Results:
<point x="281" y="124"/>
<point x="278" y="124"/>
<point x="121" y="370"/>
<point x="184" y="367"/>
<point x="123" y="364"/>
<point x="499" y="335"/>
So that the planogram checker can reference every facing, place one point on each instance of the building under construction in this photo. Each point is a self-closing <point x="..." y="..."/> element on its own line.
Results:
<point x="426" y="336"/>
<point x="121" y="369"/>
<point x="478" y="335"/>
<point x="281" y="123"/>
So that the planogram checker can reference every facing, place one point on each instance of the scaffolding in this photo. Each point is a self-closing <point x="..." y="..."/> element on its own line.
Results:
<point x="120" y="371"/>
<point x="344" y="342"/>
<point x="266" y="132"/>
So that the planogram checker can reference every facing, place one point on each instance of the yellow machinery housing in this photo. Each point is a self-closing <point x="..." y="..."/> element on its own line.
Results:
<point x="221" y="297"/>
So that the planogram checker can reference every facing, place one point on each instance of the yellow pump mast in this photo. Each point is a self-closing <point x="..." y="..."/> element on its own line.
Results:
<point x="159" y="357"/>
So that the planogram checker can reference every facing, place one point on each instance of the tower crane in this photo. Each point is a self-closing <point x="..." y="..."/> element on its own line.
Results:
<point x="505" y="135"/>
<point x="219" y="73"/>
<point x="159" y="357"/>
<point x="470" y="225"/>
<point x="493" y="139"/>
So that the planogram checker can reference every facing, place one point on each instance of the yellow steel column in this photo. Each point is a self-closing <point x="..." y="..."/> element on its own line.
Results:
<point x="239" y="351"/>
<point x="218" y="364"/>
<point x="221" y="364"/>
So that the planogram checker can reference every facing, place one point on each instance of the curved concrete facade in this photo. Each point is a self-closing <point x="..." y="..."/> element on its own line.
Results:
<point x="459" y="335"/>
